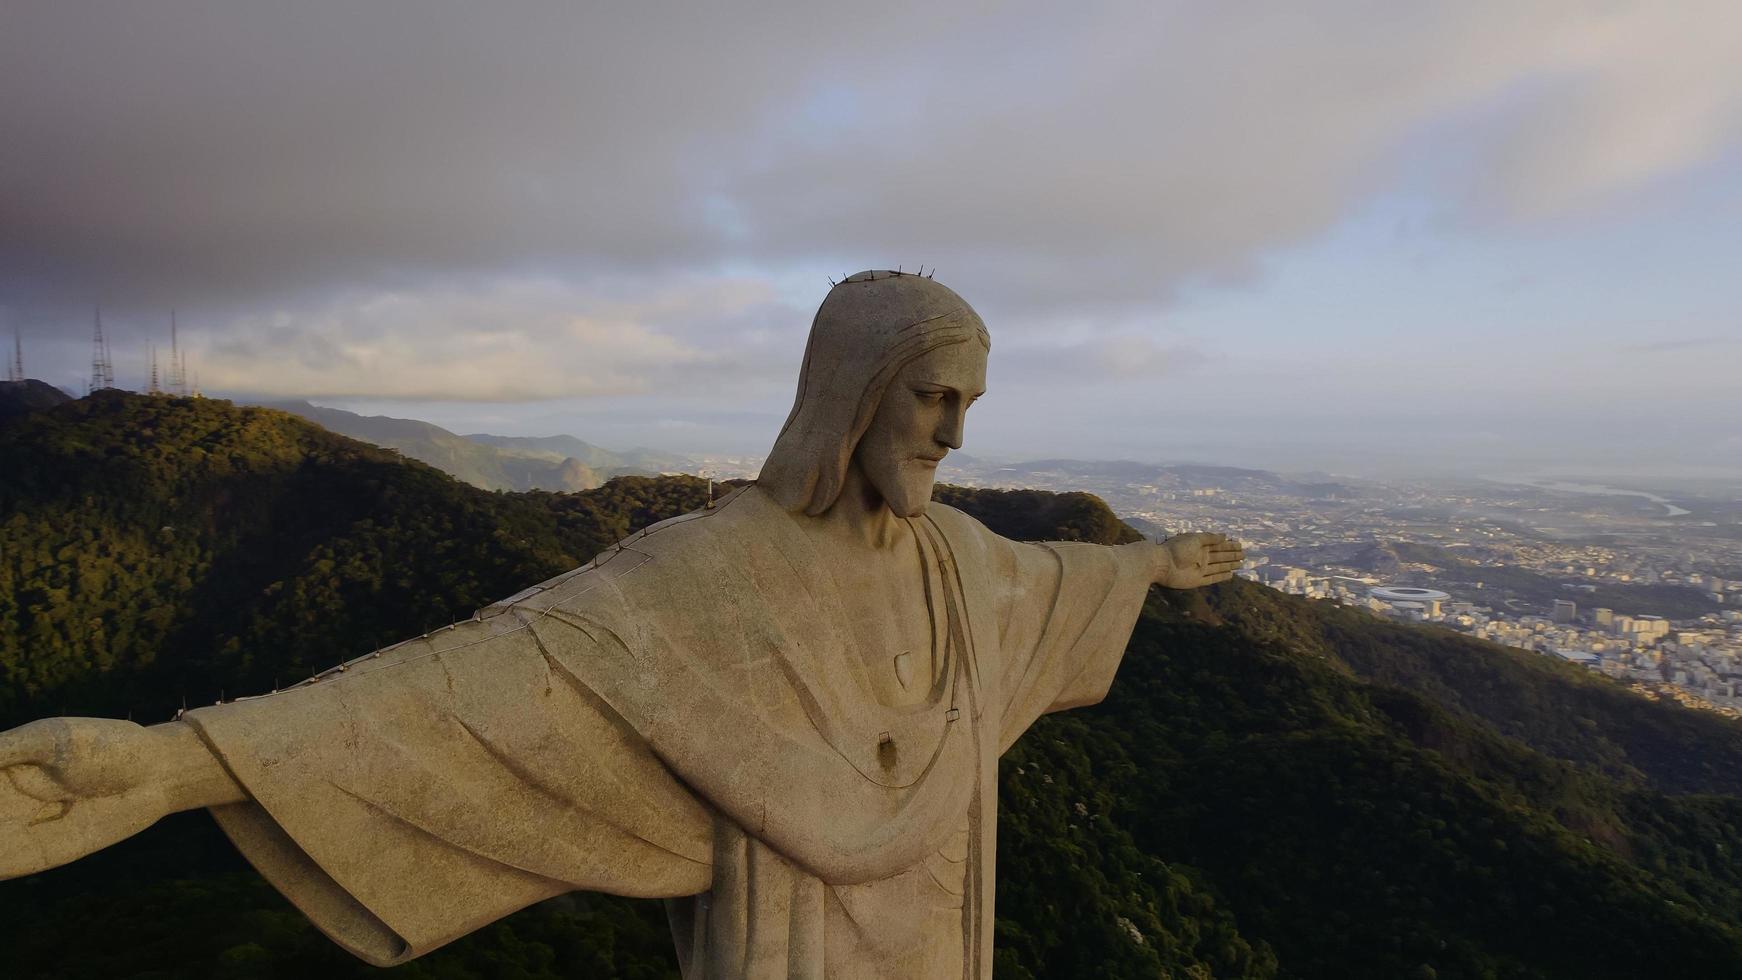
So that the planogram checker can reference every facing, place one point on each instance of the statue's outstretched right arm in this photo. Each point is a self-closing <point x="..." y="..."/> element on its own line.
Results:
<point x="72" y="786"/>
<point x="400" y="800"/>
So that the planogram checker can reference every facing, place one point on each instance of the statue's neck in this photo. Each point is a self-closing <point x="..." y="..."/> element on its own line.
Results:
<point x="861" y="514"/>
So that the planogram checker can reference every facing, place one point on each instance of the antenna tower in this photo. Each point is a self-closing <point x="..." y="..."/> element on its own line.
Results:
<point x="178" y="363"/>
<point x="152" y="388"/>
<point x="102" y="371"/>
<point x="15" y="370"/>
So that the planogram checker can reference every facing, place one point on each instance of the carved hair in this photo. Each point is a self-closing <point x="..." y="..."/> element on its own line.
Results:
<point x="870" y="326"/>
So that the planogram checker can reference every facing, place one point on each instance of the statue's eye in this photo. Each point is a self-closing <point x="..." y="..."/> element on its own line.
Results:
<point x="929" y="397"/>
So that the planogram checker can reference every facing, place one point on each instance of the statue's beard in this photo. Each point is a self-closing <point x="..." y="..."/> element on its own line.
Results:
<point x="908" y="489"/>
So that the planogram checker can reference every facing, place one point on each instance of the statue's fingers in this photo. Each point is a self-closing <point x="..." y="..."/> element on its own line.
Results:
<point x="38" y="846"/>
<point x="49" y="835"/>
<point x="23" y="851"/>
<point x="36" y="742"/>
<point x="51" y="811"/>
<point x="16" y="809"/>
<point x="33" y="781"/>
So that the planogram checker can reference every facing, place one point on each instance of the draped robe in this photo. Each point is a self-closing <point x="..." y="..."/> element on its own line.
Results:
<point x="686" y="717"/>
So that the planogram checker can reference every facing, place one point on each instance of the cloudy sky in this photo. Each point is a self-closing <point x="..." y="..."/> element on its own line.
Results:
<point x="1351" y="236"/>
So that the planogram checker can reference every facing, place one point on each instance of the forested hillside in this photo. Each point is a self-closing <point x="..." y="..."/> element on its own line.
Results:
<point x="20" y="397"/>
<point x="156" y="549"/>
<point x="1275" y="788"/>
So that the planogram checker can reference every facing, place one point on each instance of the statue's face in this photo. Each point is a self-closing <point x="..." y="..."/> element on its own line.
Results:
<point x="918" y="421"/>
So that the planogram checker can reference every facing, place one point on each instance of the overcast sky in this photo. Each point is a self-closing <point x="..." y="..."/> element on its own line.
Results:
<point x="1349" y="236"/>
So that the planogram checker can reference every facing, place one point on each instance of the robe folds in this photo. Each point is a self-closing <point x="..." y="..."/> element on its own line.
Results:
<point x="686" y="717"/>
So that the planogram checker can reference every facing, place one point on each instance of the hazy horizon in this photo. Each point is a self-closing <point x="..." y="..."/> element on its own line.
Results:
<point x="1452" y="239"/>
<point x="752" y="434"/>
<point x="622" y="435"/>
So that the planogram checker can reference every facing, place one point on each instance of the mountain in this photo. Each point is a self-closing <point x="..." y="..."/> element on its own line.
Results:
<point x="29" y="395"/>
<point x="1173" y="476"/>
<point x="150" y="544"/>
<point x="1276" y="787"/>
<point x="633" y="462"/>
<point x="490" y="462"/>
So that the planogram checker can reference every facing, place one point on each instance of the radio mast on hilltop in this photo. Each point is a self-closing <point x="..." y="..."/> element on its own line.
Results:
<point x="152" y="387"/>
<point x="178" y="364"/>
<point x="15" y="370"/>
<point x="102" y="369"/>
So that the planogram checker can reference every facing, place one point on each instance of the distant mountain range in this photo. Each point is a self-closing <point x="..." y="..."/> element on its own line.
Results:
<point x="489" y="461"/>
<point x="1165" y="475"/>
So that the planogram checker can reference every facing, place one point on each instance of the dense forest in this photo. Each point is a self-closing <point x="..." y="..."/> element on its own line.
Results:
<point x="1275" y="788"/>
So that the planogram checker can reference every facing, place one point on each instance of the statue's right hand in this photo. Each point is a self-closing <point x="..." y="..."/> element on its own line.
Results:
<point x="70" y="786"/>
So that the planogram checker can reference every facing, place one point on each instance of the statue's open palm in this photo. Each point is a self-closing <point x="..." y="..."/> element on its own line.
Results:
<point x="1199" y="559"/>
<point x="70" y="786"/>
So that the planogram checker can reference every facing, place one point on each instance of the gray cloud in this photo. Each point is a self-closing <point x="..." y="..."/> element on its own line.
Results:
<point x="1096" y="360"/>
<point x="533" y="200"/>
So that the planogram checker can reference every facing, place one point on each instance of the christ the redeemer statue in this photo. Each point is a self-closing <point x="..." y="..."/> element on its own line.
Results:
<point x="783" y="713"/>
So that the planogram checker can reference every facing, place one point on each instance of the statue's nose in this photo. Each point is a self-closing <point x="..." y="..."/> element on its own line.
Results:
<point x="950" y="429"/>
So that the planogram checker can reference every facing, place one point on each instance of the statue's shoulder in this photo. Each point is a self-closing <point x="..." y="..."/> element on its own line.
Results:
<point x="962" y="530"/>
<point x="741" y="511"/>
<point x="668" y="551"/>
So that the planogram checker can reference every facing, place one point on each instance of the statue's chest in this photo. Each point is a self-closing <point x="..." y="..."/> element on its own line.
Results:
<point x="895" y="628"/>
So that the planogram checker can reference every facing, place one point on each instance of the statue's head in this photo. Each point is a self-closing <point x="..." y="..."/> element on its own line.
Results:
<point x="893" y="362"/>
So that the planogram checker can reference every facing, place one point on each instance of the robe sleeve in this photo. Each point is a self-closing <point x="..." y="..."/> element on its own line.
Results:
<point x="1066" y="613"/>
<point x="450" y="781"/>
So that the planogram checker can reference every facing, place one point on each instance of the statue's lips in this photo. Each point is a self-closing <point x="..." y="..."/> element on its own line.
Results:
<point x="931" y="462"/>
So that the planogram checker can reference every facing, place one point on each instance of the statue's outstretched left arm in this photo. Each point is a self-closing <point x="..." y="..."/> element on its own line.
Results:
<point x="1067" y="611"/>
<point x="1188" y="561"/>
